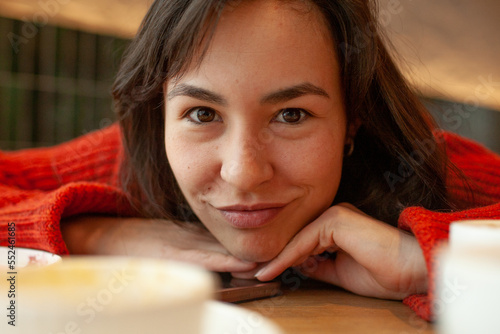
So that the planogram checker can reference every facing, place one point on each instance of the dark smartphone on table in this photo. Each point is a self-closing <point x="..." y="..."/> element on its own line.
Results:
<point x="236" y="290"/>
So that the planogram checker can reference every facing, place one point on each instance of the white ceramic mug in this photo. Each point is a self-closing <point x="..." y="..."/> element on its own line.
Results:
<point x="468" y="286"/>
<point x="102" y="295"/>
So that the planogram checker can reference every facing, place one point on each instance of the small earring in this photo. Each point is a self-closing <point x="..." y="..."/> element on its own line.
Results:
<point x="349" y="147"/>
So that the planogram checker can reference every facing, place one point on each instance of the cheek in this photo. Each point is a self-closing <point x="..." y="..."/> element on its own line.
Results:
<point x="176" y="158"/>
<point x="194" y="169"/>
<point x="317" y="163"/>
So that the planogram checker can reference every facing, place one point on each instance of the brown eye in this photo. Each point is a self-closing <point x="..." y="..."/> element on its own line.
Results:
<point x="291" y="115"/>
<point x="202" y="115"/>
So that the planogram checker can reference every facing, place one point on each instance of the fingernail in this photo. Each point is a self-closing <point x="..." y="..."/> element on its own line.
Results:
<point x="260" y="272"/>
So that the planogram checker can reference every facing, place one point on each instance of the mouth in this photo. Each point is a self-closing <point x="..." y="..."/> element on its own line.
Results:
<point x="247" y="217"/>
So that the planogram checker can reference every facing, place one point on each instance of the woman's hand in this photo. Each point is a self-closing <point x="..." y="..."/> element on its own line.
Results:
<point x="149" y="238"/>
<point x="373" y="258"/>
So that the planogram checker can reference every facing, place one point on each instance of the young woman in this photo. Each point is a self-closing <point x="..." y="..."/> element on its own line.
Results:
<point x="255" y="136"/>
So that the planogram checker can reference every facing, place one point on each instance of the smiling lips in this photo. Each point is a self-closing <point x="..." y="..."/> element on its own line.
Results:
<point x="243" y="217"/>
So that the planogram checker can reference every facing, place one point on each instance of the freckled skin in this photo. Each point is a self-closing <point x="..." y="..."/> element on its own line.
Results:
<point x="248" y="154"/>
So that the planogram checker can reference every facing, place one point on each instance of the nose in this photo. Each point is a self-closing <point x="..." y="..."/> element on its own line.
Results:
<point x="245" y="164"/>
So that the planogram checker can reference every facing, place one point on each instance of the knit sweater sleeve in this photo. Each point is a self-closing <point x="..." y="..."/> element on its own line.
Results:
<point x="39" y="187"/>
<point x="482" y="169"/>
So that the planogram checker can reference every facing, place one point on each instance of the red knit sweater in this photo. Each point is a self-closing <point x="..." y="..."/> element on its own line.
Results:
<point x="39" y="187"/>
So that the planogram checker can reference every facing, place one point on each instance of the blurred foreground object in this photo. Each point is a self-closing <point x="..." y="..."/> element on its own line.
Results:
<point x="102" y="295"/>
<point x="469" y="272"/>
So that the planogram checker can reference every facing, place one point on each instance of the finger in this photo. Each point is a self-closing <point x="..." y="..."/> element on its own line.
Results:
<point x="244" y="275"/>
<point x="248" y="274"/>
<point x="320" y="269"/>
<point x="212" y="261"/>
<point x="366" y="239"/>
<point x="352" y="208"/>
<point x="308" y="241"/>
<point x="342" y="226"/>
<point x="346" y="273"/>
<point x="343" y="271"/>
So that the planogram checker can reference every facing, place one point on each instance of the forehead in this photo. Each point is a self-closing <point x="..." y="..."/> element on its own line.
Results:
<point x="279" y="19"/>
<point x="259" y="35"/>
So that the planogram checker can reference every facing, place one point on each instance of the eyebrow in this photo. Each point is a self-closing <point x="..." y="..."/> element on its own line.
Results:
<point x="293" y="92"/>
<point x="197" y="93"/>
<point x="281" y="95"/>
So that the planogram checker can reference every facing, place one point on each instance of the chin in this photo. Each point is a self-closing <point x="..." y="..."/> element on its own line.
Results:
<point x="250" y="256"/>
<point x="255" y="252"/>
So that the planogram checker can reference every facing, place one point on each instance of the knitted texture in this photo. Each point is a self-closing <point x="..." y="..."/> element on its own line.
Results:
<point x="482" y="169"/>
<point x="39" y="187"/>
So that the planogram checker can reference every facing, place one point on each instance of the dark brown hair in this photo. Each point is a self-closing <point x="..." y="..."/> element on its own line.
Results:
<point x="397" y="162"/>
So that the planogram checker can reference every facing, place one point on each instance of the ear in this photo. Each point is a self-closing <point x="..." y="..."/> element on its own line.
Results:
<point x="352" y="129"/>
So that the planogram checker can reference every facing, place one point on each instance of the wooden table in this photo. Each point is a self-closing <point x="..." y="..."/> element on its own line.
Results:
<point x="317" y="308"/>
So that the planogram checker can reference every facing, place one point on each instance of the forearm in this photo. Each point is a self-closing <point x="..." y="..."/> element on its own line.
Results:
<point x="85" y="235"/>
<point x="189" y="242"/>
<point x="104" y="235"/>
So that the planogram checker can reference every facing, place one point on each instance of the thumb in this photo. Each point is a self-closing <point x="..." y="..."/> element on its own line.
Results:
<point x="213" y="261"/>
<point x="321" y="269"/>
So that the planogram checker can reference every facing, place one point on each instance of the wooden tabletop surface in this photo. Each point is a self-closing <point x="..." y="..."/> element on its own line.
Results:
<point x="317" y="308"/>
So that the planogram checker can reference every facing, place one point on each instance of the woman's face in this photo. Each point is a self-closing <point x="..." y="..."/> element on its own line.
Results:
<point x="255" y="134"/>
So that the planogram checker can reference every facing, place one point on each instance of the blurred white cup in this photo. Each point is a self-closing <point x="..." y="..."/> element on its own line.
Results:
<point x="102" y="295"/>
<point x="468" y="280"/>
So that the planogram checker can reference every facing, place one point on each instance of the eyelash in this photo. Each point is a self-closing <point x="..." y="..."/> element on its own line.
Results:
<point x="304" y="115"/>
<point x="191" y="110"/>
